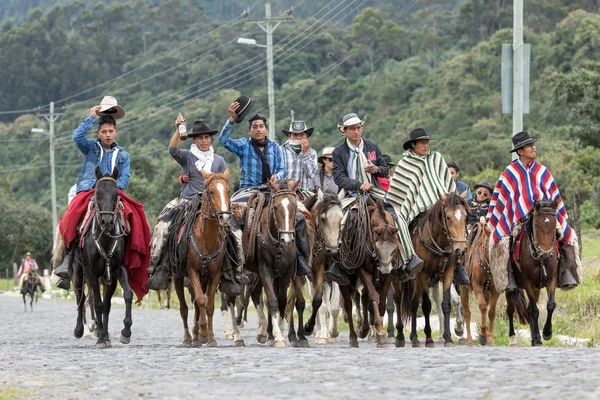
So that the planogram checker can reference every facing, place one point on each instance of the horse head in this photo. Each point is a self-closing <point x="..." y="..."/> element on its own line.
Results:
<point x="544" y="224"/>
<point x="385" y="237"/>
<point x="454" y="213"/>
<point x="216" y="196"/>
<point x="328" y="216"/>
<point x="106" y="199"/>
<point x="283" y="206"/>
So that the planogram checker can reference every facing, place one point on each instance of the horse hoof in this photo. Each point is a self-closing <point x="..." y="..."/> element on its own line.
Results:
<point x="381" y="340"/>
<point x="187" y="343"/>
<point x="462" y="341"/>
<point x="108" y="343"/>
<point x="308" y="330"/>
<point x="382" y="345"/>
<point x="229" y="336"/>
<point x="124" y="339"/>
<point x="429" y="343"/>
<point x="280" y="343"/>
<point x="303" y="344"/>
<point x="212" y="344"/>
<point x="459" y="332"/>
<point x="547" y="337"/>
<point x="262" y="339"/>
<point x="332" y="340"/>
<point x="483" y="340"/>
<point x="321" y="341"/>
<point x="449" y="344"/>
<point x="537" y="344"/>
<point x="293" y="343"/>
<point x="203" y="339"/>
<point x="101" y="345"/>
<point x="197" y="343"/>
<point x="78" y="333"/>
<point x="400" y="343"/>
<point x="334" y="334"/>
<point x="354" y="343"/>
<point x="270" y="343"/>
<point x="240" y="343"/>
<point x="416" y="343"/>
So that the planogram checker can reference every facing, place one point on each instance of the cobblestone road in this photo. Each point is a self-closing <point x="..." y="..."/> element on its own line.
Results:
<point x="40" y="358"/>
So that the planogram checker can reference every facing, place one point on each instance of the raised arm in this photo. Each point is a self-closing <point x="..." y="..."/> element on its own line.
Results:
<point x="79" y="139"/>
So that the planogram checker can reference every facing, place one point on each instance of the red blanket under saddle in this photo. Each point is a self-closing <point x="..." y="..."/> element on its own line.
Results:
<point x="137" y="244"/>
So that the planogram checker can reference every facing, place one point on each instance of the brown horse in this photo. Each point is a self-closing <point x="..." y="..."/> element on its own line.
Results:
<point x="537" y="268"/>
<point x="374" y="270"/>
<point x="439" y="240"/>
<point x="29" y="287"/>
<point x="205" y="253"/>
<point x="482" y="284"/>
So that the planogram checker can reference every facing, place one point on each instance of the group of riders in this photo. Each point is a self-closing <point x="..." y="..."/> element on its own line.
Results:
<point x="355" y="167"/>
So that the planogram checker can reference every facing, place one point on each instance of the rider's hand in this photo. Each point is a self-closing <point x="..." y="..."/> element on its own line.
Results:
<point x="371" y="168"/>
<point x="185" y="178"/>
<point x="305" y="145"/>
<point x="273" y="179"/>
<point x="482" y="220"/>
<point x="179" y="120"/>
<point x="366" y="186"/>
<point x="94" y="110"/>
<point x="232" y="114"/>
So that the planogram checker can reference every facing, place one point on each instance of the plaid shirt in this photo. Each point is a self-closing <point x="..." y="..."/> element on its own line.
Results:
<point x="301" y="167"/>
<point x="250" y="161"/>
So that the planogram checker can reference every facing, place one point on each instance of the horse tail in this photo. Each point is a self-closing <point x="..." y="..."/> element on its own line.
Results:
<point x="408" y="292"/>
<point x="521" y="304"/>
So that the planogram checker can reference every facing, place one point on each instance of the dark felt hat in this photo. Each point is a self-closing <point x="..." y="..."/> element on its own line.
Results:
<point x="298" y="127"/>
<point x="484" y="184"/>
<point x="245" y="107"/>
<point x="201" y="128"/>
<point x="521" y="139"/>
<point x="388" y="160"/>
<point x="416" y="134"/>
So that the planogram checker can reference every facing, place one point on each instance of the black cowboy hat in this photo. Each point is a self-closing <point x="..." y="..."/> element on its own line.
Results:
<point x="201" y="128"/>
<point x="244" y="108"/>
<point x="388" y="160"/>
<point x="416" y="134"/>
<point x="484" y="184"/>
<point x="521" y="139"/>
<point x="298" y="127"/>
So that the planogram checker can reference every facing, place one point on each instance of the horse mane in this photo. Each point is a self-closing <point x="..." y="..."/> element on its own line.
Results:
<point x="436" y="210"/>
<point x="311" y="201"/>
<point x="328" y="200"/>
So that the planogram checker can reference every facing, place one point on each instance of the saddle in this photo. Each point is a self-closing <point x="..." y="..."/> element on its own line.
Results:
<point x="85" y="223"/>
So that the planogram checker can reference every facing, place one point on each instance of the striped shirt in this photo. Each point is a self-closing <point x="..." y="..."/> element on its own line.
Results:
<point x="250" y="160"/>
<point x="417" y="183"/>
<point x="517" y="188"/>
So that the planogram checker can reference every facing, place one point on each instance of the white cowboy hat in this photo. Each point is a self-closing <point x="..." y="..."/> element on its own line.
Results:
<point x="349" y="120"/>
<point x="110" y="107"/>
<point x="327" y="152"/>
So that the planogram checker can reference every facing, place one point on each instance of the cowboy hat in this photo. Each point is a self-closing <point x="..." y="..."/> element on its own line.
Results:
<point x="416" y="134"/>
<point x="327" y="152"/>
<point x="27" y="254"/>
<point x="109" y="107"/>
<point x="521" y="139"/>
<point x="244" y="108"/>
<point x="388" y="160"/>
<point x="201" y="128"/>
<point x="349" y="120"/>
<point x="298" y="127"/>
<point x="484" y="184"/>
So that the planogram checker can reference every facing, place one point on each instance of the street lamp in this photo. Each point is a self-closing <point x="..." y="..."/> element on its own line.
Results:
<point x="52" y="178"/>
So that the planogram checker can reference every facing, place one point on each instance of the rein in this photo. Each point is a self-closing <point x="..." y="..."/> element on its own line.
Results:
<point x="535" y="250"/>
<point x="434" y="248"/>
<point x="272" y="244"/>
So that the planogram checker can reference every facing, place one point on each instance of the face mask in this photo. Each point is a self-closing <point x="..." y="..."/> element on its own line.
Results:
<point x="296" y="145"/>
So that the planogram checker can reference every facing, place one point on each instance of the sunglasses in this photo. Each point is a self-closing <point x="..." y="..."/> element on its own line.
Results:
<point x="482" y="193"/>
<point x="328" y="158"/>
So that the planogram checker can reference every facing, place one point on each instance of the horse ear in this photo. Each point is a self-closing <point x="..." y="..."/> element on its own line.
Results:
<point x="320" y="195"/>
<point x="226" y="173"/>
<point x="206" y="175"/>
<point x="342" y="194"/>
<point x="394" y="229"/>
<point x="98" y="173"/>
<point x="443" y="196"/>
<point x="115" y="173"/>
<point x="379" y="230"/>
<point x="536" y="205"/>
<point x="555" y="203"/>
<point x="294" y="185"/>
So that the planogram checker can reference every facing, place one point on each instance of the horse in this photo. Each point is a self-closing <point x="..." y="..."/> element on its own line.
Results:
<point x="438" y="236"/>
<point x="29" y="287"/>
<point x="167" y="294"/>
<point x="323" y="225"/>
<point x="102" y="258"/>
<point x="535" y="269"/>
<point x="207" y="236"/>
<point x="481" y="284"/>
<point x="372" y="268"/>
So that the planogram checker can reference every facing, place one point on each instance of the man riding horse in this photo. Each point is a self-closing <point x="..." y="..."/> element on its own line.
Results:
<point x="261" y="161"/>
<point x="106" y="154"/>
<point x="421" y="176"/>
<point x="299" y="159"/>
<point x="201" y="157"/>
<point x="520" y="184"/>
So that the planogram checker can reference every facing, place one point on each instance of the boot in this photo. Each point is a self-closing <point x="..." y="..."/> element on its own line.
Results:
<point x="159" y="279"/>
<point x="302" y="246"/>
<point x="65" y="270"/>
<point x="460" y="275"/>
<point x="410" y="270"/>
<point x="229" y="280"/>
<point x="512" y="284"/>
<point x="335" y="273"/>
<point x="566" y="277"/>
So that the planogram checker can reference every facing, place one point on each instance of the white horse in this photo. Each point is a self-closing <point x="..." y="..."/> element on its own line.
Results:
<point x="326" y="328"/>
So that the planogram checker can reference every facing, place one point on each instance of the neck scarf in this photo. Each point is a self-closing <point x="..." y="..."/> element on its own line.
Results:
<point x="266" y="169"/>
<point x="205" y="158"/>
<point x="357" y="163"/>
<point x="294" y="145"/>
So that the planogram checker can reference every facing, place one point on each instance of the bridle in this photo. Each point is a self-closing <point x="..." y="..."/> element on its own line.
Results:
<point x="207" y="199"/>
<point x="281" y="192"/>
<point x="319" y="239"/>
<point x="433" y="247"/>
<point x="120" y="232"/>
<point x="535" y="249"/>
<point x="271" y="244"/>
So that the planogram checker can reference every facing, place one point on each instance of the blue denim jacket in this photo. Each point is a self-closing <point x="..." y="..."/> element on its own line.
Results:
<point x="92" y="150"/>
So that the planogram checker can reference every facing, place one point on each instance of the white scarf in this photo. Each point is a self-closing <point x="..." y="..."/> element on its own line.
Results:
<point x="113" y="161"/>
<point x="357" y="163"/>
<point x="205" y="158"/>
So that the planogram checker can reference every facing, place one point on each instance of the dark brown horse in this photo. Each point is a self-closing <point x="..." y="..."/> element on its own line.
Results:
<point x="536" y="269"/>
<point x="29" y="287"/>
<point x="373" y="271"/>
<point x="205" y="252"/>
<point x="482" y="284"/>
<point x="439" y="240"/>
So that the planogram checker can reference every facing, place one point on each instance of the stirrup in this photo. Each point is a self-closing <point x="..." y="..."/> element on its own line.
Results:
<point x="64" y="284"/>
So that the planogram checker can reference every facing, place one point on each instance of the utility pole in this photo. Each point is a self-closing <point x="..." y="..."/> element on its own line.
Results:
<point x="51" y="117"/>
<point x="517" y="68"/>
<point x="267" y="26"/>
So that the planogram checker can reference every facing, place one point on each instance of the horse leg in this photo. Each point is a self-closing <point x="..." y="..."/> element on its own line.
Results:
<point x="99" y="308"/>
<point x="316" y="295"/>
<point x="80" y="298"/>
<point x="169" y="293"/>
<point x="24" y="302"/>
<point x="363" y="329"/>
<point x="400" y="340"/>
<point x="183" y="311"/>
<point x="510" y="312"/>
<point x="459" y="325"/>
<point x="210" y="309"/>
<point x="550" y="306"/>
<point x="319" y="315"/>
<point x="277" y="317"/>
<point x="464" y="299"/>
<point x="200" y="312"/>
<point x="257" y="299"/>
<point x="347" y="295"/>
<point x="125" y="337"/>
<point x="492" y="316"/>
<point x="237" y="337"/>
<point x="334" y="312"/>
<point x="414" y="306"/>
<point x="359" y="315"/>
<point x="390" y="312"/>
<point x="380" y="334"/>
<point x="289" y="312"/>
<point x="226" y="317"/>
<point x="483" y="329"/>
<point x="160" y="303"/>
<point x="429" y="342"/>
<point x="109" y="291"/>
<point x="536" y="339"/>
<point x="435" y="293"/>
<point x="272" y="304"/>
<point x="300" y="305"/>
<point x="447" y="307"/>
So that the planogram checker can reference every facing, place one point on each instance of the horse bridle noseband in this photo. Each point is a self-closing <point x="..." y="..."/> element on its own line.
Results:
<point x="273" y="245"/>
<point x="535" y="249"/>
